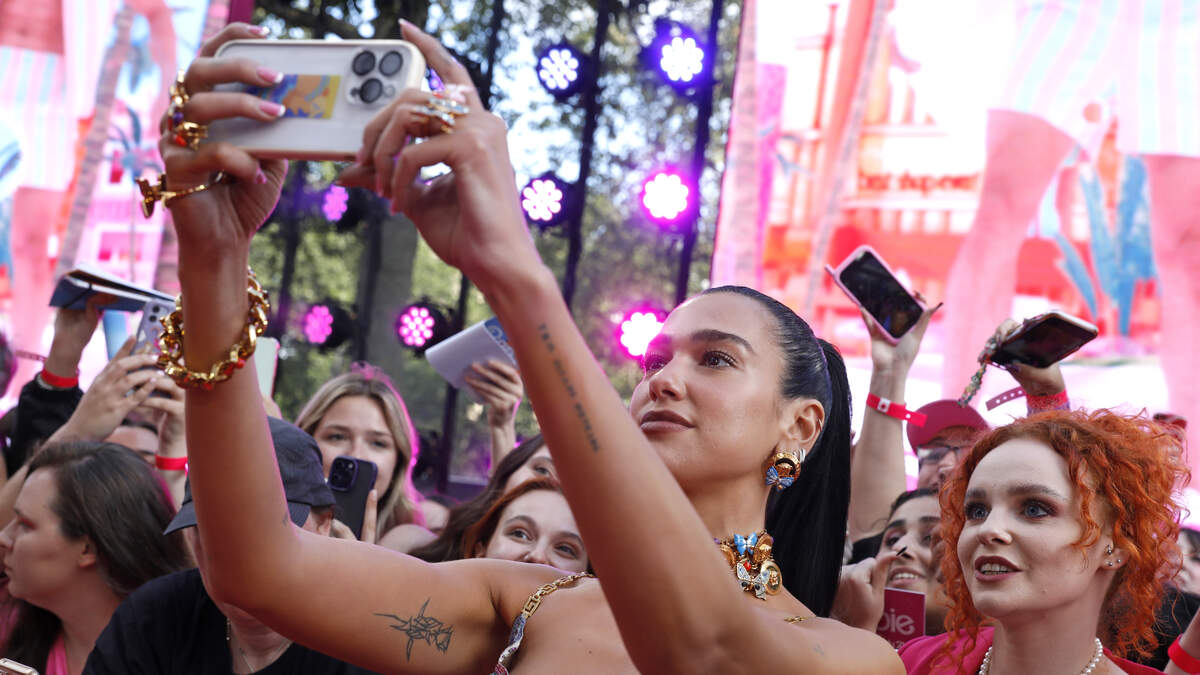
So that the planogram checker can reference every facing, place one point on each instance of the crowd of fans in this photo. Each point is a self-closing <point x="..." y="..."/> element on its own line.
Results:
<point x="144" y="528"/>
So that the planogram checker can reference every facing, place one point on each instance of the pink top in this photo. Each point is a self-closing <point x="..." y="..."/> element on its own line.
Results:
<point x="920" y="653"/>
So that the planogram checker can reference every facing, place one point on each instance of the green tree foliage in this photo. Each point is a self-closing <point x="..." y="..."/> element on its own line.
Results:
<point x="626" y="261"/>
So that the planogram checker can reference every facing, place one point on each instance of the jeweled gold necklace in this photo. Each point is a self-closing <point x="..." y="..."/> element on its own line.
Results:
<point x="750" y="559"/>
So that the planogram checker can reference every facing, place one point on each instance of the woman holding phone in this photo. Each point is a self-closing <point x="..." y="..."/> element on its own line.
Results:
<point x="738" y="397"/>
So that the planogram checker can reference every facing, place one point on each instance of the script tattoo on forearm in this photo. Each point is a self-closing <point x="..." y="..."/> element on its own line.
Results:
<point x="424" y="628"/>
<point x="584" y="422"/>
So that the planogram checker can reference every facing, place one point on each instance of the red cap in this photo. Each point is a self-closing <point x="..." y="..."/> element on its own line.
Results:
<point x="941" y="415"/>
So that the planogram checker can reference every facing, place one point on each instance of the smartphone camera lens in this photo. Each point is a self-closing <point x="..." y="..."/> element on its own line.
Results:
<point x="390" y="64"/>
<point x="363" y="63"/>
<point x="342" y="474"/>
<point x="370" y="90"/>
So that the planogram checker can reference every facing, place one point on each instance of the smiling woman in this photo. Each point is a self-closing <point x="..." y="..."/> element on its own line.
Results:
<point x="1063" y="524"/>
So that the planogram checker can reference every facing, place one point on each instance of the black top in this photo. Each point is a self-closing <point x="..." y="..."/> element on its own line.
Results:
<point x="170" y="626"/>
<point x="40" y="412"/>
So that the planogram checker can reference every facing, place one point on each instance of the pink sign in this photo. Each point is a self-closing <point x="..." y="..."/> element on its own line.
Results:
<point x="903" y="616"/>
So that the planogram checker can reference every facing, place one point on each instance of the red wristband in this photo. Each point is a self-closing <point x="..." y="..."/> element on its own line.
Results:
<point x="1057" y="401"/>
<point x="897" y="410"/>
<point x="171" y="463"/>
<point x="58" y="381"/>
<point x="1185" y="661"/>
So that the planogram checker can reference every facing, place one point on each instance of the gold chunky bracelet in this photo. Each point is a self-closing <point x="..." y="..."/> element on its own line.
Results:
<point x="170" y="343"/>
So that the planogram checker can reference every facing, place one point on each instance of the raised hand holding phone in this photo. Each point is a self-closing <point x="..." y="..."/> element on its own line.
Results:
<point x="872" y="285"/>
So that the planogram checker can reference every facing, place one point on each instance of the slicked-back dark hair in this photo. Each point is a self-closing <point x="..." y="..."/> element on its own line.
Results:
<point x="808" y="520"/>
<point x="108" y="494"/>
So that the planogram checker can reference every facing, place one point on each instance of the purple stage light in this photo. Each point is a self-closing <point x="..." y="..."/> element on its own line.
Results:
<point x="666" y="196"/>
<point x="560" y="69"/>
<point x="544" y="200"/>
<point x="676" y="54"/>
<point x="334" y="203"/>
<point x="638" y="329"/>
<point x="681" y="59"/>
<point x="318" y="324"/>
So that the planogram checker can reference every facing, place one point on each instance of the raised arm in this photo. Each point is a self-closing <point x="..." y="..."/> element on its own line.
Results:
<point x="877" y="474"/>
<point x="382" y="610"/>
<point x="655" y="558"/>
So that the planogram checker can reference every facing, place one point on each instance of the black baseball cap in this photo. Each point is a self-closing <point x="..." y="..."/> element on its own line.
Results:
<point x="300" y="468"/>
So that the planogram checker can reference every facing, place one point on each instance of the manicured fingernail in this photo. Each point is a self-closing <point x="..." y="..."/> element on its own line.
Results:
<point x="902" y="551"/>
<point x="260" y="177"/>
<point x="939" y="306"/>
<point x="260" y="30"/>
<point x="405" y="25"/>
<point x="271" y="108"/>
<point x="270" y="75"/>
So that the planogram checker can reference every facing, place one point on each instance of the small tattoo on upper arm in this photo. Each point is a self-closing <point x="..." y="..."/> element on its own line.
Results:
<point x="421" y="627"/>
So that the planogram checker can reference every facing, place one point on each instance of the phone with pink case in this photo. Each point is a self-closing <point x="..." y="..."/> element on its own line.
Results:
<point x="872" y="285"/>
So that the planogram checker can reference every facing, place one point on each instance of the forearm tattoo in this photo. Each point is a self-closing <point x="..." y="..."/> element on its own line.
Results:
<point x="584" y="422"/>
<point x="427" y="629"/>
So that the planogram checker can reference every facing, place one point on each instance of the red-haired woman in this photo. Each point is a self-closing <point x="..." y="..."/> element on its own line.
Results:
<point x="1064" y="526"/>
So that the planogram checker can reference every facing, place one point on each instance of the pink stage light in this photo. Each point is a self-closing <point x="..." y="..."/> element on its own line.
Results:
<point x="638" y="329"/>
<point x="318" y="324"/>
<point x="666" y="196"/>
<point x="334" y="204"/>
<point x="415" y="327"/>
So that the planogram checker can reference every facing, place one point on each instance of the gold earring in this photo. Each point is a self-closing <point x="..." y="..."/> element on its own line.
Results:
<point x="782" y="468"/>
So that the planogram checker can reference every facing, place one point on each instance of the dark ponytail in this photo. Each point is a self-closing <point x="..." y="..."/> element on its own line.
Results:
<point x="808" y="520"/>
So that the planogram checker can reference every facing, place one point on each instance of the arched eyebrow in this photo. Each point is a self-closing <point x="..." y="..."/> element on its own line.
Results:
<point x="704" y="335"/>
<point x="1021" y="490"/>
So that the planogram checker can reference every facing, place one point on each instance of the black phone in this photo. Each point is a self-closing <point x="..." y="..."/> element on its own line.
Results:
<point x="1044" y="340"/>
<point x="351" y="480"/>
<point x="871" y="285"/>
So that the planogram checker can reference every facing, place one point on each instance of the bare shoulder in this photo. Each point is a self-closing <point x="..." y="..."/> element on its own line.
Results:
<point x="406" y="537"/>
<point x="511" y="582"/>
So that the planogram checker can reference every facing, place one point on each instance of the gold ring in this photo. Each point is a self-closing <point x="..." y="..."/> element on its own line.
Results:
<point x="153" y="192"/>
<point x="442" y="110"/>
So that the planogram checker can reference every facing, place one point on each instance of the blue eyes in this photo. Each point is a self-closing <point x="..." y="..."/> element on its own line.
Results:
<point x="1031" y="509"/>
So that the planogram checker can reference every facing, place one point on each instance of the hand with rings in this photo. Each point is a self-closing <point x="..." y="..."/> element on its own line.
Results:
<point x="471" y="217"/>
<point x="216" y="211"/>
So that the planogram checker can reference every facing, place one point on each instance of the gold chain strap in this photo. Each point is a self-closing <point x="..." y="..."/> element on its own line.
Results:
<point x="535" y="600"/>
<point x="984" y="359"/>
<point x="170" y="343"/>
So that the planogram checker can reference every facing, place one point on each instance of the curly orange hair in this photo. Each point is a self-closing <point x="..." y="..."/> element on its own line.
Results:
<point x="1132" y="465"/>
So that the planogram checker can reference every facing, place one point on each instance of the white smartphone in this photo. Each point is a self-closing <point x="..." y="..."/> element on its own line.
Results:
<point x="330" y="90"/>
<point x="150" y="326"/>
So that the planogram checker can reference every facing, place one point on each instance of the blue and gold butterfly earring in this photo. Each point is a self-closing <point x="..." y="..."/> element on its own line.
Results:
<point x="783" y="467"/>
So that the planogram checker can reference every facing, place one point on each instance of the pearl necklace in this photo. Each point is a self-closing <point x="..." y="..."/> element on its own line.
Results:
<point x="987" y="660"/>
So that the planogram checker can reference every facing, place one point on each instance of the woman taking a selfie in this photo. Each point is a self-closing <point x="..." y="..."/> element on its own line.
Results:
<point x="1060" y="531"/>
<point x="738" y="397"/>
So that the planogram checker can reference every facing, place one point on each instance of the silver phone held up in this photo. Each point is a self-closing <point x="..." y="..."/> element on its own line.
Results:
<point x="330" y="90"/>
